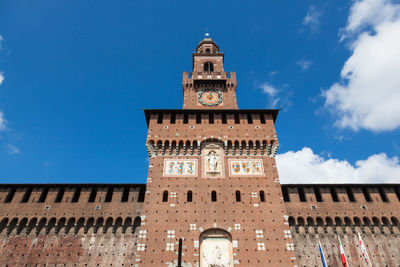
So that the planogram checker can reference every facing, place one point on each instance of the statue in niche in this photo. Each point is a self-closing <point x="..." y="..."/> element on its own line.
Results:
<point x="216" y="257"/>
<point x="212" y="161"/>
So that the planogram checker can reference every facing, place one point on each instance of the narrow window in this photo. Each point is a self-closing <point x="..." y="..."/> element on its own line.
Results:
<point x="165" y="196"/>
<point x="160" y="118"/>
<point x="334" y="194"/>
<point x="109" y="194"/>
<point x="92" y="196"/>
<point x="208" y="50"/>
<point x="198" y="118"/>
<point x="285" y="194"/>
<point x="262" y="118"/>
<point x="211" y="118"/>
<point x="77" y="194"/>
<point x="10" y="195"/>
<point x="366" y="194"/>
<point x="317" y="193"/>
<point x="189" y="196"/>
<point x="383" y="194"/>
<point x="185" y="118"/>
<point x="249" y="119"/>
<point x="180" y="253"/>
<point x="60" y="195"/>
<point x="27" y="195"/>
<point x="214" y="196"/>
<point x="223" y="118"/>
<point x="141" y="194"/>
<point x="302" y="195"/>
<point x="237" y="120"/>
<point x="173" y="118"/>
<point x="125" y="194"/>
<point x="262" y="196"/>
<point x="43" y="195"/>
<point x="350" y="194"/>
<point x="238" y="196"/>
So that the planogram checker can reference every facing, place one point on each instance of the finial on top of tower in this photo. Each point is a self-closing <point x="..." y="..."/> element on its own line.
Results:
<point x="207" y="34"/>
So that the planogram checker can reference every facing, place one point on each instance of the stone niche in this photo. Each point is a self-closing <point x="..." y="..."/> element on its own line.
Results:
<point x="213" y="160"/>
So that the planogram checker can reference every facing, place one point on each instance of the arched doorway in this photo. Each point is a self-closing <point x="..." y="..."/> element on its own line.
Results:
<point x="216" y="248"/>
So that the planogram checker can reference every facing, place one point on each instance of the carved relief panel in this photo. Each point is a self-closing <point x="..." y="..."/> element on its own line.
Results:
<point x="245" y="167"/>
<point x="180" y="167"/>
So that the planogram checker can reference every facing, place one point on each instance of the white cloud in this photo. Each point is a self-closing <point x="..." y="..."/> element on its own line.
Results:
<point x="306" y="167"/>
<point x="12" y="149"/>
<point x="304" y="64"/>
<point x="3" y="122"/>
<point x="312" y="18"/>
<point x="272" y="93"/>
<point x="1" y="39"/>
<point x="1" y="77"/>
<point x="367" y="95"/>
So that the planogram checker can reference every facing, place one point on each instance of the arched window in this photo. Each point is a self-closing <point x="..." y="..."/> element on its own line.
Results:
<point x="238" y="197"/>
<point x="189" y="196"/>
<point x="214" y="196"/>
<point x="262" y="196"/>
<point x="165" y="196"/>
<point x="208" y="67"/>
<point x="208" y="50"/>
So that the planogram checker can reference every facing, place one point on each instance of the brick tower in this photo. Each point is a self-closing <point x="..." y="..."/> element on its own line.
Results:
<point x="213" y="194"/>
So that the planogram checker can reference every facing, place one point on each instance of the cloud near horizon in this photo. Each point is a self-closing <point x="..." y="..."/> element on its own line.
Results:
<point x="304" y="166"/>
<point x="367" y="96"/>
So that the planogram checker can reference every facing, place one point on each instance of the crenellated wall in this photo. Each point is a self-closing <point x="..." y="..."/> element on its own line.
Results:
<point x="322" y="212"/>
<point x="70" y="225"/>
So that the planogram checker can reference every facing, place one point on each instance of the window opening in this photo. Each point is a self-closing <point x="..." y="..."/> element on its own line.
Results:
<point x="396" y="190"/>
<point x="10" y="195"/>
<point x="317" y="194"/>
<point x="27" y="195"/>
<point x="223" y="118"/>
<point x="213" y="196"/>
<point x="262" y="196"/>
<point x="366" y="194"/>
<point x="141" y="194"/>
<point x="180" y="253"/>
<point x="262" y="118"/>
<point x="350" y="194"/>
<point x="383" y="194"/>
<point x="77" y="194"/>
<point x="109" y="194"/>
<point x="160" y="118"/>
<point x="173" y="118"/>
<point x="60" y="195"/>
<point x="249" y="119"/>
<point x="302" y="195"/>
<point x="43" y="195"/>
<point x="93" y="193"/>
<point x="165" y="196"/>
<point x="189" y="196"/>
<point x="285" y="194"/>
<point x="198" y="118"/>
<point x="185" y="118"/>
<point x="211" y="118"/>
<point x="125" y="195"/>
<point x="238" y="198"/>
<point x="334" y="194"/>
<point x="237" y="120"/>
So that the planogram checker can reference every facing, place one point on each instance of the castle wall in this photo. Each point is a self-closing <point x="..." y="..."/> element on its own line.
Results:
<point x="322" y="212"/>
<point x="60" y="228"/>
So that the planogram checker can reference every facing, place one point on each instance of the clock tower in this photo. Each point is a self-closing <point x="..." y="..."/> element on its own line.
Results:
<point x="213" y="196"/>
<point x="209" y="86"/>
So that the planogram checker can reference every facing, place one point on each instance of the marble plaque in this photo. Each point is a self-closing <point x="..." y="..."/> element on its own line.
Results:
<point x="180" y="167"/>
<point x="245" y="167"/>
<point x="216" y="252"/>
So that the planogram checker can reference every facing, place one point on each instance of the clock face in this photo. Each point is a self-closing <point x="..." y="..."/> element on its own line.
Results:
<point x="209" y="97"/>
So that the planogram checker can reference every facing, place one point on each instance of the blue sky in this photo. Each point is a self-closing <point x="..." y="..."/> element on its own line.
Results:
<point x="75" y="76"/>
